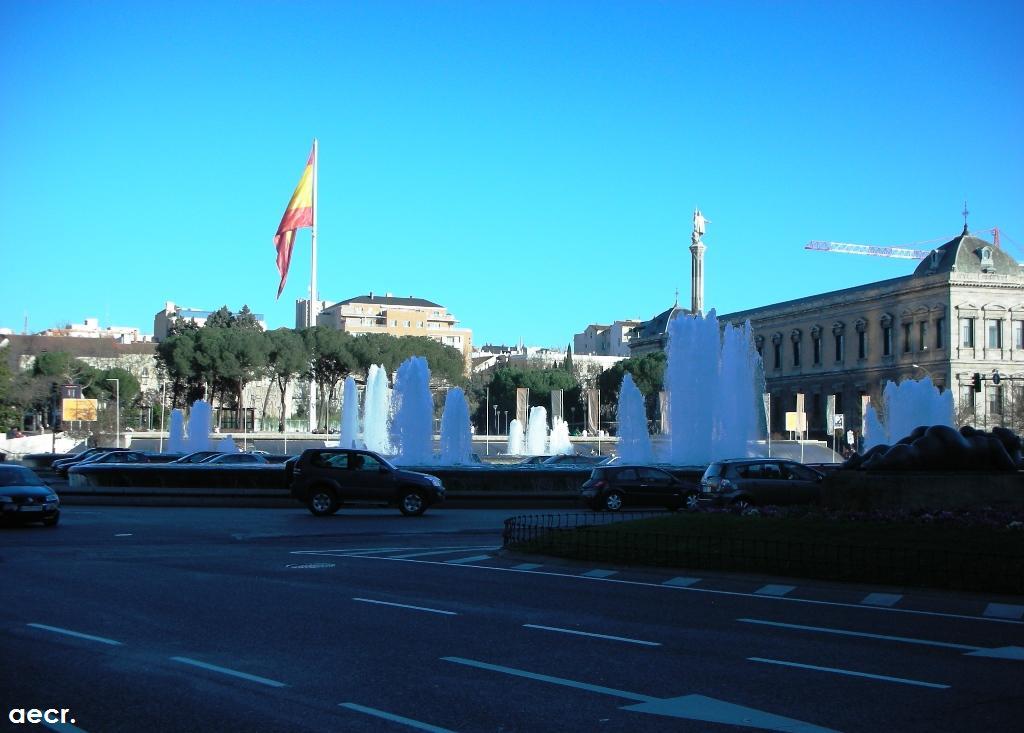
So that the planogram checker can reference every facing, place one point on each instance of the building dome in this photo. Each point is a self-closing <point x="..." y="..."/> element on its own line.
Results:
<point x="968" y="254"/>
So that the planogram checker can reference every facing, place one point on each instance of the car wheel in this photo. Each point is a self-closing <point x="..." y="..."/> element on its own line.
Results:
<point x="51" y="522"/>
<point x="691" y="502"/>
<point x="412" y="503"/>
<point x="323" y="502"/>
<point x="613" y="501"/>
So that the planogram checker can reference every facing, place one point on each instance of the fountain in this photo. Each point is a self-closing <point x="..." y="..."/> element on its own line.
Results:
<point x="349" y="435"/>
<point x="634" y="440"/>
<point x="377" y="410"/>
<point x="559" y="442"/>
<point x="456" y="436"/>
<point x="199" y="421"/>
<point x="176" y="434"/>
<point x="516" y="439"/>
<point x="227" y="445"/>
<point x="906" y="406"/>
<point x="537" y="432"/>
<point x="713" y="390"/>
<point x="411" y="426"/>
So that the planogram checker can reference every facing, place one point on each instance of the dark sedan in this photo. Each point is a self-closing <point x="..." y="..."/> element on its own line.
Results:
<point x="61" y="465"/>
<point x="611" y="488"/>
<point x="745" y="482"/>
<point x="25" y="498"/>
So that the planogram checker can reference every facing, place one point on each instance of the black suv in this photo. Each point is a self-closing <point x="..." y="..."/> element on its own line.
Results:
<point x="613" y="487"/>
<point x="325" y="478"/>
<point x="747" y="482"/>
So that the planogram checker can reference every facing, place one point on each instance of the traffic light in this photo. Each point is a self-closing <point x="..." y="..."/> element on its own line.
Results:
<point x="977" y="382"/>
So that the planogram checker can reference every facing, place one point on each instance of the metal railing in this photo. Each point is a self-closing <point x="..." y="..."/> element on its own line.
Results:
<point x="591" y="537"/>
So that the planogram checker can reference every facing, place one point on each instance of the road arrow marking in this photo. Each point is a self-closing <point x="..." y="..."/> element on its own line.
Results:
<point x="690" y="707"/>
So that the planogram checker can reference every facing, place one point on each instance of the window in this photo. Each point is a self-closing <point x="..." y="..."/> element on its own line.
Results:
<point x="922" y="335"/>
<point x="995" y="334"/>
<point x="887" y="341"/>
<point x="816" y="341"/>
<point x="840" y="346"/>
<point x="906" y="338"/>
<point x="778" y="355"/>
<point x="862" y="344"/>
<point x="1018" y="334"/>
<point x="995" y="400"/>
<point x="967" y="397"/>
<point x="967" y="332"/>
<point x="939" y="325"/>
<point x="839" y="403"/>
<point x="796" y="353"/>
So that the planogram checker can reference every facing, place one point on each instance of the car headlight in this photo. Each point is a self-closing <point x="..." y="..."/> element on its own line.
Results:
<point x="51" y="499"/>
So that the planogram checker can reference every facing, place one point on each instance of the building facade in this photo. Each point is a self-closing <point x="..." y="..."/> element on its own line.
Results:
<point x="959" y="319"/>
<point x="90" y="328"/>
<point x="164" y="319"/>
<point x="398" y="317"/>
<point x="605" y="340"/>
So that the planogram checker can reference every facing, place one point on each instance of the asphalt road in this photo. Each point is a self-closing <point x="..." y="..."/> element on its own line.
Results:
<point x="168" y="619"/>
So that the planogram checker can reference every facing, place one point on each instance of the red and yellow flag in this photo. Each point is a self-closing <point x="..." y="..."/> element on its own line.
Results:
<point x="299" y="214"/>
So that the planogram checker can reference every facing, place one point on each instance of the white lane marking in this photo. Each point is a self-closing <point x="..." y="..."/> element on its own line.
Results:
<point x="403" y="605"/>
<point x="310" y="565"/>
<point x="446" y="550"/>
<point x="587" y="633"/>
<point x="230" y="672"/>
<point x="76" y="634"/>
<point x="548" y="678"/>
<point x="774" y="590"/>
<point x="394" y="718"/>
<point x="862" y="634"/>
<point x="599" y="573"/>
<point x="850" y="673"/>
<point x="710" y="710"/>
<point x="690" y="707"/>
<point x="882" y="599"/>
<point x="709" y="591"/>
<point x="347" y="550"/>
<point x="123" y="534"/>
<point x="527" y="566"/>
<point x="1004" y="610"/>
<point x="461" y="560"/>
<point x="682" y="582"/>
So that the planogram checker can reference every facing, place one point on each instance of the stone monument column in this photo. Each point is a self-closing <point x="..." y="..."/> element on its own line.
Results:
<point x="697" y="263"/>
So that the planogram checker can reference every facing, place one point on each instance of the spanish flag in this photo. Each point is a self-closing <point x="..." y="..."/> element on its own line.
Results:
<point x="299" y="214"/>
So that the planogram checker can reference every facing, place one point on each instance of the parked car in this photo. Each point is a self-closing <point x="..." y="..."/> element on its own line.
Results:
<point x="235" y="458"/>
<point x="532" y="460"/>
<point x="199" y="456"/>
<point x="61" y="465"/>
<point x="610" y="488"/>
<point x="325" y="478"/>
<point x="747" y="482"/>
<point x="574" y="459"/>
<point x="121" y="456"/>
<point x="25" y="498"/>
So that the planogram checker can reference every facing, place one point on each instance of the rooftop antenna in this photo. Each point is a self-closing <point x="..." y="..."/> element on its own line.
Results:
<point x="965" y="212"/>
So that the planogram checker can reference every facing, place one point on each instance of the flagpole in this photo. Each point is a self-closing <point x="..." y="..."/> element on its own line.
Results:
<point x="314" y="303"/>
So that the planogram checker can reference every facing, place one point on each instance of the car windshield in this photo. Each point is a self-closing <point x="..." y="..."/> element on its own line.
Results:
<point x="18" y="476"/>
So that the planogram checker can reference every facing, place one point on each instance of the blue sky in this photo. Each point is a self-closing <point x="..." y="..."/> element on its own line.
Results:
<point x="533" y="166"/>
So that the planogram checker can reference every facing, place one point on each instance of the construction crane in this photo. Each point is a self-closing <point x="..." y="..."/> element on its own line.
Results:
<point x="899" y="253"/>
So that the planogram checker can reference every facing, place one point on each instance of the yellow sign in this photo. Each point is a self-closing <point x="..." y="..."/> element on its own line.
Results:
<point x="796" y="422"/>
<point x="78" y="409"/>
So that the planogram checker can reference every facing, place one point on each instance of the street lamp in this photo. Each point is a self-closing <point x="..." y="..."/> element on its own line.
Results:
<point x="117" y="409"/>
<point x="506" y="422"/>
<point x="497" y="420"/>
<point x="925" y="370"/>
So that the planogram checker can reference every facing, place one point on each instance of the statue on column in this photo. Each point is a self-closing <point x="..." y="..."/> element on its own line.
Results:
<point x="698" y="226"/>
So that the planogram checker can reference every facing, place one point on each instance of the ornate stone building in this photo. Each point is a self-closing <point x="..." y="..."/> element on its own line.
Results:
<point x="958" y="318"/>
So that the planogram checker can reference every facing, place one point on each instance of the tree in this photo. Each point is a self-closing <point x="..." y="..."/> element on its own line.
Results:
<point x="288" y="356"/>
<point x="331" y="360"/>
<point x="648" y="373"/>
